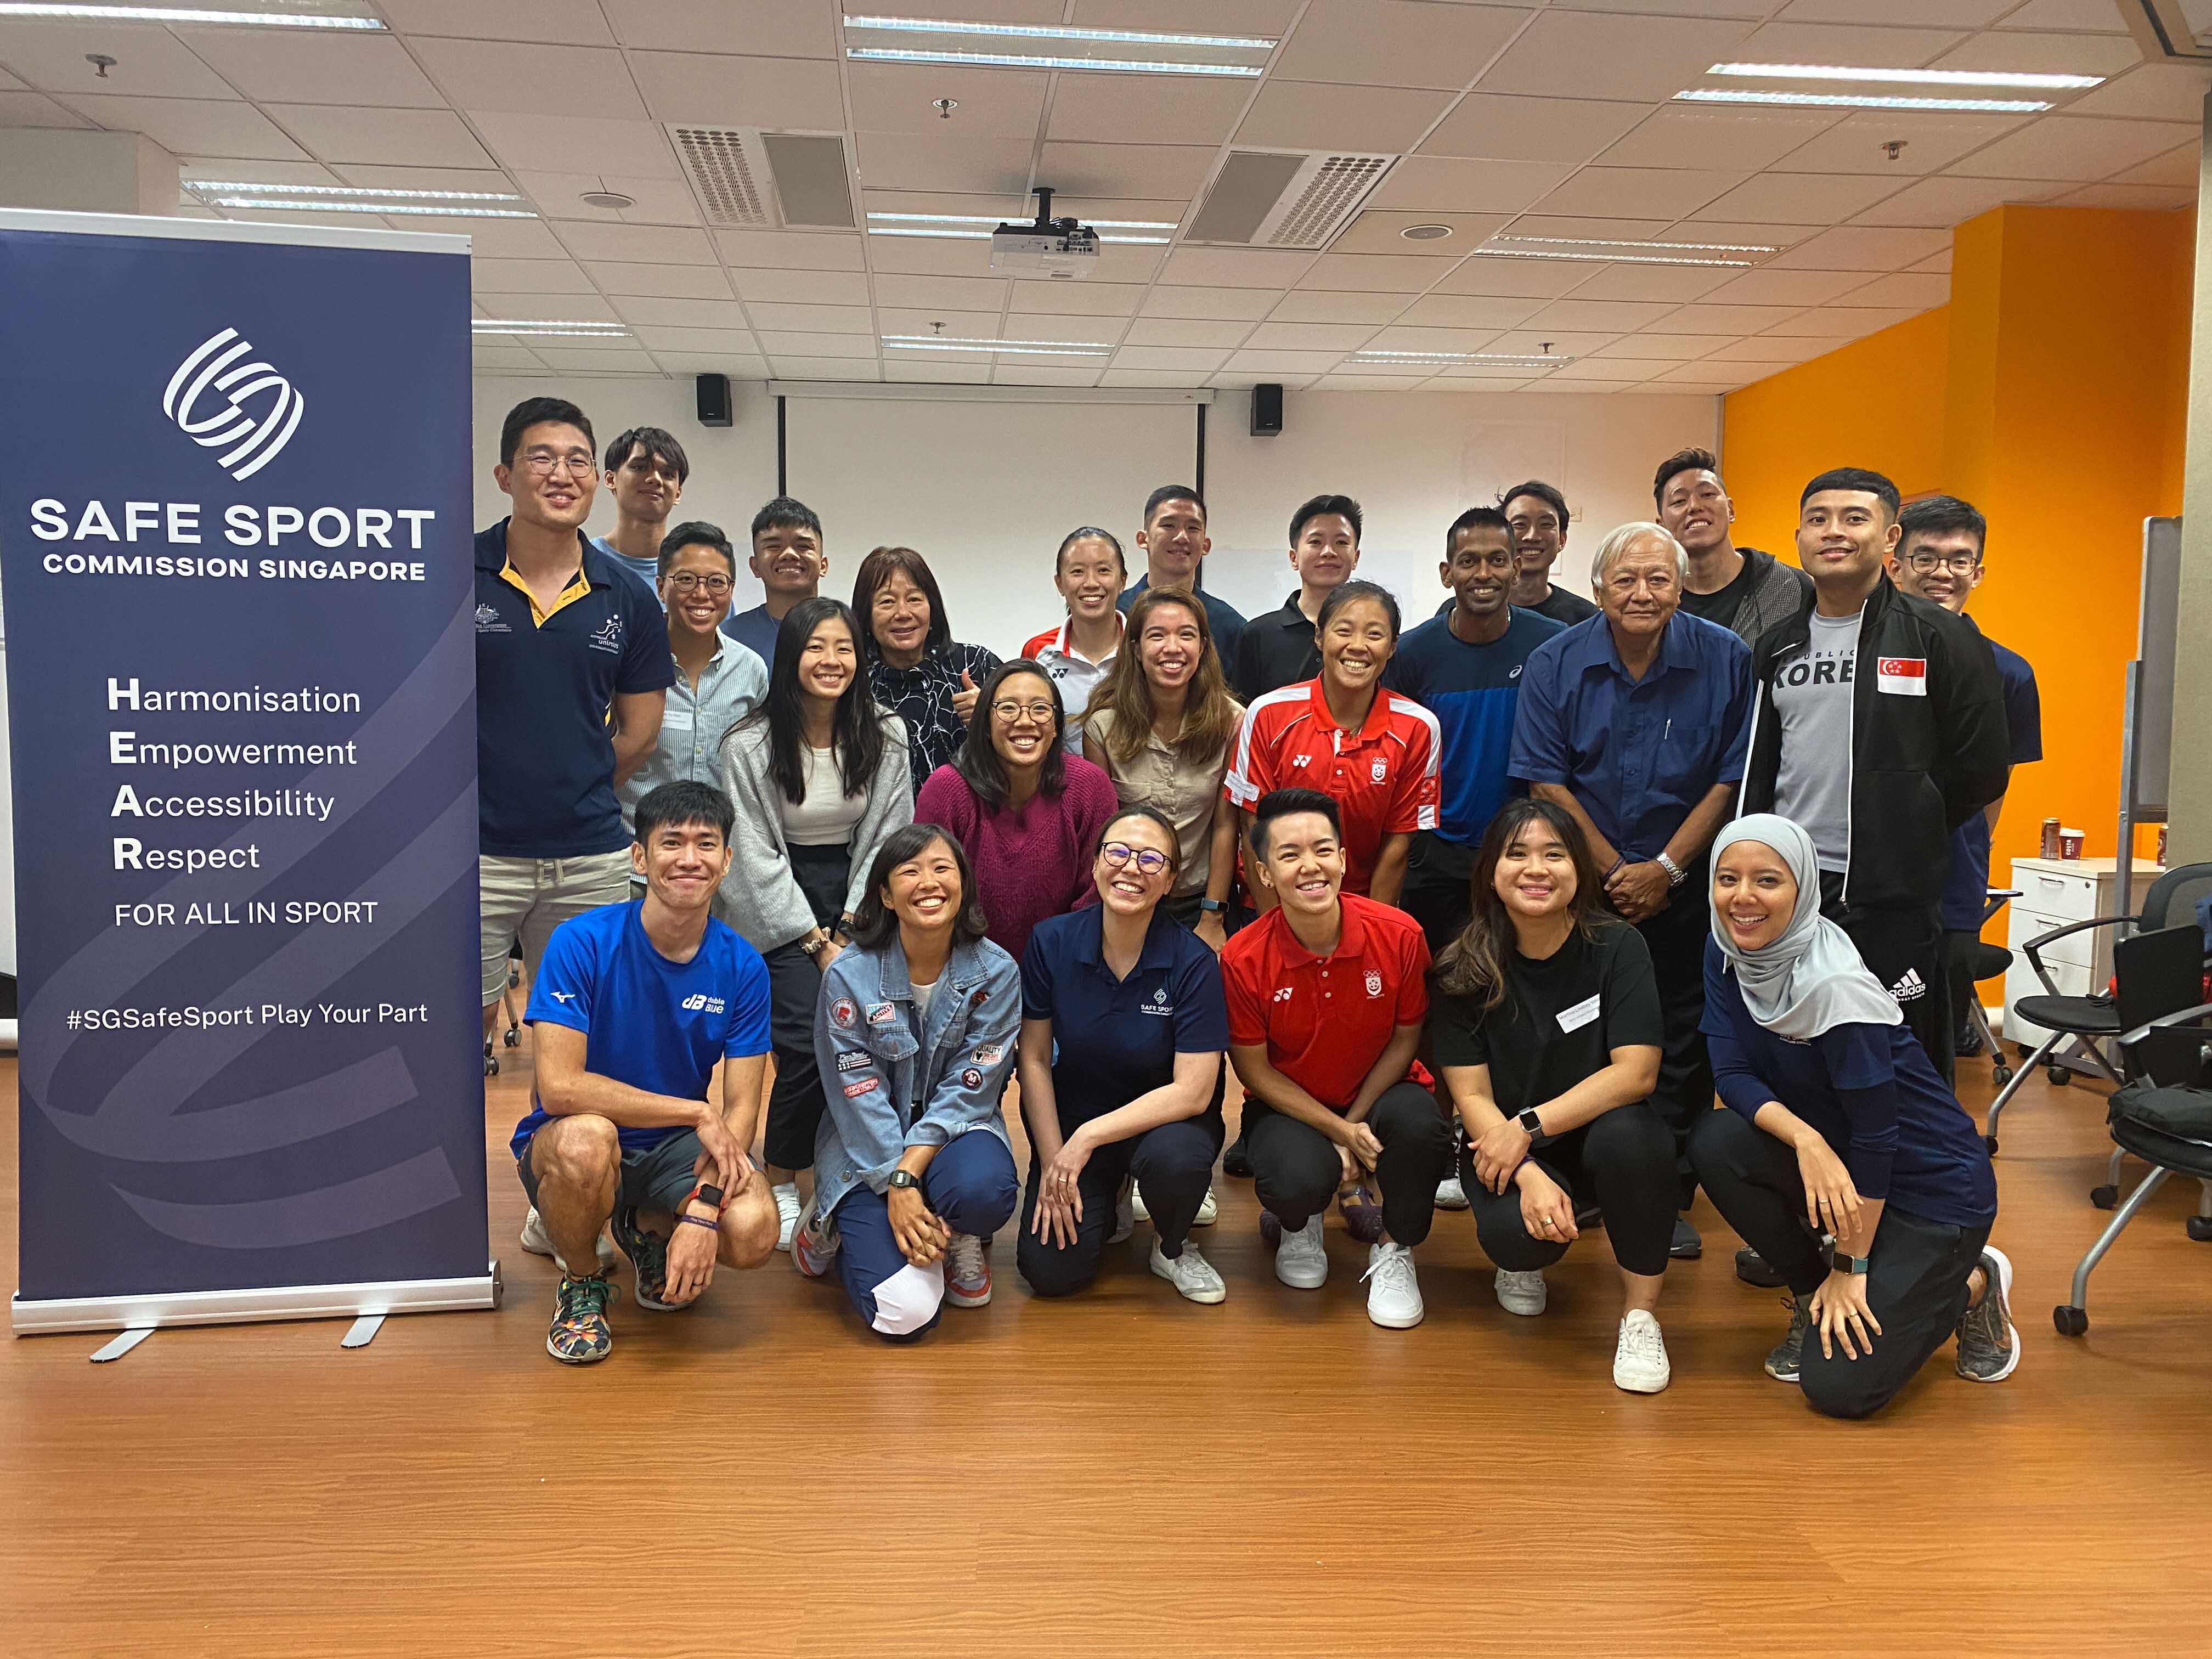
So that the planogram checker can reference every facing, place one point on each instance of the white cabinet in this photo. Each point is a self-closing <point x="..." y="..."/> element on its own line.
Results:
<point x="2054" y="892"/>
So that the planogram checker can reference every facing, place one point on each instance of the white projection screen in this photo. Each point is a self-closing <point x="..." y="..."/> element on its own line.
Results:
<point x="985" y="490"/>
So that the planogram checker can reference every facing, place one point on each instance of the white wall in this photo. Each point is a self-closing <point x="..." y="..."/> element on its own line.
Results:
<point x="1413" y="459"/>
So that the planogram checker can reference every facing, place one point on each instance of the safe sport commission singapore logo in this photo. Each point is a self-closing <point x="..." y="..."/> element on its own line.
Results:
<point x="210" y="369"/>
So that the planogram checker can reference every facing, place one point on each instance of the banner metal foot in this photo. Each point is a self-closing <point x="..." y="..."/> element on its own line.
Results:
<point x="362" y="1331"/>
<point x="122" y="1344"/>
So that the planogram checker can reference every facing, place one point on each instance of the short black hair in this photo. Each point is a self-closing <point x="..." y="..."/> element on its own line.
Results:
<point x="1283" y="803"/>
<point x="1547" y="493"/>
<point x="875" y="923"/>
<point x="1090" y="532"/>
<point x="538" y="411"/>
<point x="1693" y="459"/>
<point x="696" y="532"/>
<point x="1477" y="517"/>
<point x="1343" y="506"/>
<point x="1944" y="515"/>
<point x="1857" y="479"/>
<point x="785" y="513"/>
<point x="656" y="442"/>
<point x="977" y="760"/>
<point x="1346" y="592"/>
<point x="685" y="802"/>
<point x="1167" y="493"/>
<point x="1157" y="820"/>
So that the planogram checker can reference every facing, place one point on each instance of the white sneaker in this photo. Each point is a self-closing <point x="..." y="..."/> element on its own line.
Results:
<point x="967" y="1271"/>
<point x="1125" y="1213"/>
<point x="1450" y="1195"/>
<point x="787" y="1212"/>
<point x="1394" y="1294"/>
<point x="538" y="1241"/>
<point x="1301" y="1261"/>
<point x="1132" y="1203"/>
<point x="1640" y="1360"/>
<point x="1208" y="1211"/>
<point x="1191" y="1273"/>
<point x="1522" y="1293"/>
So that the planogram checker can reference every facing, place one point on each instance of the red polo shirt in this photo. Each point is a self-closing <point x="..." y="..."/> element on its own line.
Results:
<point x="1381" y="777"/>
<point x="1326" y="1019"/>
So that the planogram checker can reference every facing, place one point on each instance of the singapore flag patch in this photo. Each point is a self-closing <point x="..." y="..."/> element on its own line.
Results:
<point x="1901" y="676"/>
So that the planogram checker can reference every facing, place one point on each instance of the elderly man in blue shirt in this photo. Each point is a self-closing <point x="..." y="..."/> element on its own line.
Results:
<point x="1635" y="721"/>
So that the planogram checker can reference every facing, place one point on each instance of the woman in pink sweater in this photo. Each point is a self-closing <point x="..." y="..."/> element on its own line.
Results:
<point x="1027" y="814"/>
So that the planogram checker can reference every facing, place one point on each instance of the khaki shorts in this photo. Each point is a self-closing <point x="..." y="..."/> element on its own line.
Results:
<point x="527" y="899"/>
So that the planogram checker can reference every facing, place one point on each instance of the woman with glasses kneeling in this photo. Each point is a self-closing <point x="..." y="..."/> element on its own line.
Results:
<point x="1123" y="1026"/>
<point x="1839" y="1125"/>
<point x="914" y="1037"/>
<point x="1549" y="1031"/>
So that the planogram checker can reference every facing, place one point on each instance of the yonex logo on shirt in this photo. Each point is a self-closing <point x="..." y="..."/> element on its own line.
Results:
<point x="1283" y="996"/>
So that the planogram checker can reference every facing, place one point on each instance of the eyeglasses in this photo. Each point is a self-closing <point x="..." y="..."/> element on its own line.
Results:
<point x="1148" y="862"/>
<point x="544" y="463"/>
<point x="1010" y="711"/>
<point x="1959" y="564"/>
<point x="684" y="581"/>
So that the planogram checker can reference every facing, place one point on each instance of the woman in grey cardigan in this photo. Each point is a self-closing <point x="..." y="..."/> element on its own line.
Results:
<point x="820" y="778"/>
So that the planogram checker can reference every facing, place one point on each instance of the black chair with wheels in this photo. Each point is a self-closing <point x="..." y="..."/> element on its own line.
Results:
<point x="2080" y="1023"/>
<point x="1983" y="963"/>
<point x="2164" y="1117"/>
<point x="2153" y="975"/>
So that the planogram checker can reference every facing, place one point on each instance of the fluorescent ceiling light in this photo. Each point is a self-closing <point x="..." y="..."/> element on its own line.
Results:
<point x="291" y="19"/>
<point x="1033" y="348"/>
<point x="573" y="328"/>
<point x="1849" y="100"/>
<point x="981" y="236"/>
<point x="1604" y="258"/>
<point x="1515" y="359"/>
<point x="1054" y="32"/>
<point x="1922" y="78"/>
<point x="1615" y="241"/>
<point x="267" y="203"/>
<point x="1021" y="60"/>
<point x="203" y="186"/>
<point x="986" y="219"/>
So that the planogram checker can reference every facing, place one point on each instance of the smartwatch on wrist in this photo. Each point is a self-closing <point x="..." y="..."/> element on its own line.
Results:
<point x="1847" y="1264"/>
<point x="704" y="1194"/>
<point x="1675" y="874"/>
<point x="903" y="1179"/>
<point x="1213" y="907"/>
<point x="1535" y="1125"/>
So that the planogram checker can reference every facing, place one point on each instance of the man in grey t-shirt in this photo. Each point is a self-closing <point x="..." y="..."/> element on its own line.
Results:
<point x="1812" y="696"/>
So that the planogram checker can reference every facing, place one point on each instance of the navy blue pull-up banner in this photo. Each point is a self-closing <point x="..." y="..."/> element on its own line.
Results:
<point x="235" y="558"/>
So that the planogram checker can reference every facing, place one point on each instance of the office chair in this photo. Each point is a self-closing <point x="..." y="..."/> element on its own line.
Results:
<point x="1988" y="962"/>
<point x="2082" y="1022"/>
<point x="2164" y="1117"/>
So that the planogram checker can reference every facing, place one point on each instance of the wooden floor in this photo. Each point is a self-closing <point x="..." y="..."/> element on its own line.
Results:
<point x="1128" y="1474"/>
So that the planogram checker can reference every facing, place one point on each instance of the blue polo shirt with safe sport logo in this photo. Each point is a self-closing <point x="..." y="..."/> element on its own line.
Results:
<point x="545" y="682"/>
<point x="1118" y="1039"/>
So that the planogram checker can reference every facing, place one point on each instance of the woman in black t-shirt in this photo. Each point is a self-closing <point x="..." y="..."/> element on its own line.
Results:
<point x="1548" y="1030"/>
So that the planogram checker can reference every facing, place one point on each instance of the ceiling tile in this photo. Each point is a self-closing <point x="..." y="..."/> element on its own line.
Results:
<point x="1838" y="43"/>
<point x="578" y="20"/>
<point x="976" y="293"/>
<point x="790" y="319"/>
<point x="1553" y="225"/>
<point x="993" y="103"/>
<point x="1063" y="331"/>
<point x="1786" y="288"/>
<point x="1936" y="262"/>
<point x="1392" y="43"/>
<point x="497" y="239"/>
<point x="2042" y="54"/>
<point x="531" y="77"/>
<point x="194" y="126"/>
<point x="782" y="287"/>
<point x="1369" y="382"/>
<point x="1741" y="9"/>
<point x="664" y="281"/>
<point x="1604" y="190"/>
<point x="500" y="359"/>
<point x="1856" y="144"/>
<point x="2084" y="16"/>
<point x="1435" y="184"/>
<point x="306" y="67"/>
<point x="1557" y="382"/>
<point x="150" y="63"/>
<point x="1853" y="248"/>
<point x="1118" y="262"/>
<point x="2178" y="167"/>
<point x="1304" y="307"/>
<point x="568" y="307"/>
<point x="1852" y="321"/>
<point x="1222" y="304"/>
<point x="1309" y="336"/>
<point x="1665" y="347"/>
<point x="655" y="201"/>
<point x="1374" y="232"/>
<point x="711" y="363"/>
<point x="1307" y="115"/>
<point x="1469" y="311"/>
<point x="2174" y="92"/>
<point x="579" y="143"/>
<point x="2073" y="147"/>
<point x="789" y="366"/>
<point x="746" y="92"/>
<point x="1177" y="357"/>
<point x="1563" y="342"/>
<point x="1701" y="319"/>
<point x="722" y="340"/>
<point x="2156" y="196"/>
<point x="1163" y="377"/>
<point x="684" y="313"/>
<point x="564" y="358"/>
<point x="1955" y="13"/>
<point x="1179" y="332"/>
<point x="1372" y="273"/>
<point x="774" y="28"/>
<point x="314" y="173"/>
<point x="529" y="275"/>
<point x="1235" y="267"/>
<point x="1163" y="170"/>
<point x="1804" y="198"/>
<point x="1611" y="371"/>
<point x="1282" y="362"/>
<point x="1511" y="129"/>
<point x="1728" y="140"/>
<point x="1115" y="109"/>
<point x="1613" y="316"/>
<point x="960" y="325"/>
<point x="1765" y="349"/>
<point x="1083" y="299"/>
<point x="1919" y="290"/>
<point x="1578" y="54"/>
<point x="1043" y="374"/>
<point x="943" y="162"/>
<point x="656" y="245"/>
<point x="1534" y="278"/>
<point x="36" y="109"/>
<point x="1942" y="203"/>
<point x="919" y="256"/>
<point x="792" y="250"/>
<point x="1402" y="338"/>
<point x="781" y="345"/>
<point x="932" y="373"/>
<point x="1245" y="378"/>
<point x="1674" y="283"/>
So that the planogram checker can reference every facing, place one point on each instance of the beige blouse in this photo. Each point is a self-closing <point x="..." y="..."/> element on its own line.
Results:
<point x="1189" y="795"/>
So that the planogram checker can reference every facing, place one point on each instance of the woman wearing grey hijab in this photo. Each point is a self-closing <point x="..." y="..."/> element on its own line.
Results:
<point x="1843" y="1159"/>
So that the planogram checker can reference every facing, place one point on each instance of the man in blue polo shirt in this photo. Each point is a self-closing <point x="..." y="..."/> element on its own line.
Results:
<point x="634" y="1008"/>
<point x="1634" y="721"/>
<point x="573" y="668"/>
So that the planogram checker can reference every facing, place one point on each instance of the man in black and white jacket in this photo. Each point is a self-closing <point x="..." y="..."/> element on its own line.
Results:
<point x="1878" y="724"/>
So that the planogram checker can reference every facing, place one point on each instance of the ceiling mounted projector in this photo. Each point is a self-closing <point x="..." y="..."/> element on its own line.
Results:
<point x="1049" y="247"/>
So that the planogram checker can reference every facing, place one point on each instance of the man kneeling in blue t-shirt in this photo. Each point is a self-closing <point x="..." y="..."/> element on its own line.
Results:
<point x="633" y="1006"/>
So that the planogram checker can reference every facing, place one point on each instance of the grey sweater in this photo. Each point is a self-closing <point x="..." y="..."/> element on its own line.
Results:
<point x="760" y="897"/>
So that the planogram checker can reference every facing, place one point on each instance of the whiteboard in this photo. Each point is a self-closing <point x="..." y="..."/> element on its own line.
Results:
<point x="984" y="490"/>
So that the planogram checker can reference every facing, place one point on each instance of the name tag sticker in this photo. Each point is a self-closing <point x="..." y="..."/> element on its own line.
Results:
<point x="676" y="719"/>
<point x="1574" y="1019"/>
<point x="1902" y="677"/>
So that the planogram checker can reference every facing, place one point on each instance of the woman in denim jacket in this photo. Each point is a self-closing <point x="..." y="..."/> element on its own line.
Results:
<point x="915" y="1035"/>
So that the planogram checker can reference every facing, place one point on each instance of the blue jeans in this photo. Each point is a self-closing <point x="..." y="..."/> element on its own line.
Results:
<point x="969" y="1185"/>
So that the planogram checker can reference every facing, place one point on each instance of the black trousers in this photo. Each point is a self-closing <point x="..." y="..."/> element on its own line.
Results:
<point x="1174" y="1167"/>
<point x="1960" y="949"/>
<point x="1624" y="1160"/>
<point x="1916" y="1270"/>
<point x="1676" y="937"/>
<point x="794" y="987"/>
<point x="1437" y="893"/>
<point x="1295" y="1169"/>
<point x="1903" y="946"/>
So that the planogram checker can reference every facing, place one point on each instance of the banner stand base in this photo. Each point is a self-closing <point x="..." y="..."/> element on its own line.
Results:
<point x="110" y="1313"/>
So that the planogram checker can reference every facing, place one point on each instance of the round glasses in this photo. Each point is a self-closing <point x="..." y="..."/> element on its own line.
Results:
<point x="1959" y="564"/>
<point x="684" y="581"/>
<point x="1118" y="853"/>
<point x="1010" y="711"/>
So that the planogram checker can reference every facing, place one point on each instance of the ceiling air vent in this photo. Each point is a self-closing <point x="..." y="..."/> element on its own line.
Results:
<point x="2171" y="29"/>
<point x="1272" y="198"/>
<point x="745" y="177"/>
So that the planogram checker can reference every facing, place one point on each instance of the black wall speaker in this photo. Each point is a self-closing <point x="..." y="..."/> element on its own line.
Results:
<point x="1266" y="410"/>
<point x="714" y="400"/>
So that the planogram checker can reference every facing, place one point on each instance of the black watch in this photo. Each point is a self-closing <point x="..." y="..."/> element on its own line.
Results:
<point x="1532" y="1123"/>
<point x="903" y="1179"/>
<point x="1212" y="907"/>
